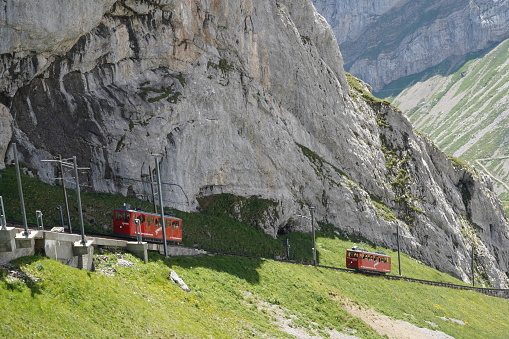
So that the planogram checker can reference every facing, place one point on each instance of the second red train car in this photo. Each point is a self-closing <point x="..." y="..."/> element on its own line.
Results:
<point x="363" y="260"/>
<point x="150" y="224"/>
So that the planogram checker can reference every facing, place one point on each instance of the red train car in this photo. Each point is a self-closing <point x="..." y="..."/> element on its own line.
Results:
<point x="150" y="224"/>
<point x="363" y="260"/>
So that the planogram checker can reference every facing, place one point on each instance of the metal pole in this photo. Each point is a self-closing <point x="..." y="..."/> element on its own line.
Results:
<point x="83" y="240"/>
<point x="3" y="220"/>
<point x="152" y="189"/>
<point x="20" y="190"/>
<point x="38" y="216"/>
<point x="287" y="244"/>
<point x="138" y="230"/>
<point x="311" y="209"/>
<point x="65" y="193"/>
<point x="473" y="276"/>
<point x="160" y="190"/>
<point x="399" y="257"/>
<point x="60" y="216"/>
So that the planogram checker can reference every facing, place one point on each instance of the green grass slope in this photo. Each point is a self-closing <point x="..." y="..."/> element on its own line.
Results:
<point x="231" y="297"/>
<point x="466" y="113"/>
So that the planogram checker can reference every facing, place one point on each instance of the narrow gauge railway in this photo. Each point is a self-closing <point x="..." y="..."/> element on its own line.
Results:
<point x="497" y="292"/>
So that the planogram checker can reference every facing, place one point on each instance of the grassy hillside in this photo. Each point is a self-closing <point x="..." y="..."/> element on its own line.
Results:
<point x="231" y="297"/>
<point x="466" y="113"/>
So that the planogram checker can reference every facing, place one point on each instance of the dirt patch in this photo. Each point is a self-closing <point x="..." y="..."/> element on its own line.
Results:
<point x="287" y="322"/>
<point x="393" y="328"/>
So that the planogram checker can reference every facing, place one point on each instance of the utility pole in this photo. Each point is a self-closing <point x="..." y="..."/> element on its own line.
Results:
<point x="473" y="266"/>
<point x="161" y="206"/>
<point x="138" y="230"/>
<point x="38" y="216"/>
<point x="74" y="165"/>
<point x="311" y="210"/>
<point x="287" y="245"/>
<point x="76" y="177"/>
<point x="3" y="220"/>
<point x="152" y="189"/>
<point x="399" y="257"/>
<point x="312" y="218"/>
<point x="65" y="192"/>
<point x="20" y="190"/>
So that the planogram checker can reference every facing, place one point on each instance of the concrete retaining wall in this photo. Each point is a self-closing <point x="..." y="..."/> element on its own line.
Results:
<point x="68" y="249"/>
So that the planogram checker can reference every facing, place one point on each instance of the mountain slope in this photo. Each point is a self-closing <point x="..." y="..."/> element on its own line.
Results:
<point x="382" y="43"/>
<point x="249" y="100"/>
<point x="467" y="113"/>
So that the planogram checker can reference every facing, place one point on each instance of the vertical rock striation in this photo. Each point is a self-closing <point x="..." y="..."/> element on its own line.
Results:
<point x="247" y="98"/>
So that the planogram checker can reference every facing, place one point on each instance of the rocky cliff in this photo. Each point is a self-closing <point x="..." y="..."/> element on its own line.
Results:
<point x="383" y="41"/>
<point x="247" y="98"/>
<point x="466" y="113"/>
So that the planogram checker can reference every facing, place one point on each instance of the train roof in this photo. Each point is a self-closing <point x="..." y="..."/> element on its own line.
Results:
<point x="134" y="210"/>
<point x="362" y="250"/>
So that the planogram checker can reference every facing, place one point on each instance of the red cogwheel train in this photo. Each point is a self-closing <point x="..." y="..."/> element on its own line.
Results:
<point x="124" y="223"/>
<point x="361" y="259"/>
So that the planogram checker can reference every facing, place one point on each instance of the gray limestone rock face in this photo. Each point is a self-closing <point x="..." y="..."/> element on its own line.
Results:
<point x="5" y="132"/>
<point x="47" y="25"/>
<point x="247" y="98"/>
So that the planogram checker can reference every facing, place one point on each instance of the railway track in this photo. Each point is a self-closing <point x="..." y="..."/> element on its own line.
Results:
<point x="497" y="292"/>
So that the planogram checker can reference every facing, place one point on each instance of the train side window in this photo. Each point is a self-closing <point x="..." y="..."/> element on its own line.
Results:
<point x="142" y="218"/>
<point x="118" y="215"/>
<point x="150" y="221"/>
<point x="175" y="224"/>
<point x="158" y="222"/>
<point x="127" y="216"/>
